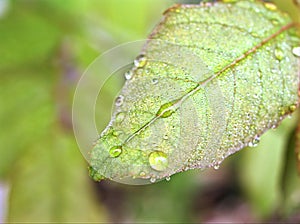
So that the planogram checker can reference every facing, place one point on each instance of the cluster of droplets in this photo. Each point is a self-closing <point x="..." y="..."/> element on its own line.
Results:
<point x="139" y="63"/>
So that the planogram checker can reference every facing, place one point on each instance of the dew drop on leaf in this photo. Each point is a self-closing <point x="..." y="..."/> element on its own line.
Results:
<point x="158" y="160"/>
<point x="216" y="167"/>
<point x="292" y="107"/>
<point x="296" y="51"/>
<point x="119" y="100"/>
<point x="254" y="142"/>
<point x="128" y="75"/>
<point x="166" y="110"/>
<point x="140" y="61"/>
<point x="270" y="6"/>
<point x="115" y="151"/>
<point x="152" y="179"/>
<point x="168" y="178"/>
<point x="154" y="81"/>
<point x="279" y="53"/>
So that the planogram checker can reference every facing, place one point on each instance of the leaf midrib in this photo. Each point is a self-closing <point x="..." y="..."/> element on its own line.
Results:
<point x="211" y="78"/>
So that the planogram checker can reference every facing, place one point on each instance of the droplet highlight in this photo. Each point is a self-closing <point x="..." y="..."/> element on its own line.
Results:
<point x="216" y="167"/>
<point x="168" y="178"/>
<point x="296" y="51"/>
<point x="115" y="151"/>
<point x="158" y="160"/>
<point x="128" y="75"/>
<point x="152" y="179"/>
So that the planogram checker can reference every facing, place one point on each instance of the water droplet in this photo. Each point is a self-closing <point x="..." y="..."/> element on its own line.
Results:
<point x="216" y="167"/>
<point x="154" y="81"/>
<point x="152" y="179"/>
<point x="142" y="174"/>
<point x="115" y="151"/>
<point x="296" y="51"/>
<point x="128" y="75"/>
<point x="166" y="110"/>
<point x="292" y="107"/>
<point x="158" y="160"/>
<point x="119" y="100"/>
<point x="140" y="61"/>
<point x="254" y="142"/>
<point x="282" y="111"/>
<point x="120" y="117"/>
<point x="279" y="54"/>
<point x="168" y="178"/>
<point x="274" y="126"/>
<point x="275" y="21"/>
<point x="270" y="6"/>
<point x="165" y="137"/>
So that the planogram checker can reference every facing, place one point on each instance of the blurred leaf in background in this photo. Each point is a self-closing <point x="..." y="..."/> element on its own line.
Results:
<point x="45" y="46"/>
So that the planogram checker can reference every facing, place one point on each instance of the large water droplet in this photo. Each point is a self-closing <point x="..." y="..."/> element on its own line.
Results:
<point x="158" y="160"/>
<point x="270" y="6"/>
<point x="115" y="151"/>
<point x="254" y="142"/>
<point x="296" y="51"/>
<point x="142" y="174"/>
<point x="279" y="54"/>
<point x="168" y="178"/>
<point x="166" y="110"/>
<point x="119" y="100"/>
<point x="128" y="75"/>
<point x="140" y="61"/>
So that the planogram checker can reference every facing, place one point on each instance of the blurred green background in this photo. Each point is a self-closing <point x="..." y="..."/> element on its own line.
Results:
<point x="45" y="46"/>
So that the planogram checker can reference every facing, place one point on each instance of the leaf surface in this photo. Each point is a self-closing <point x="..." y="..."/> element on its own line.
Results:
<point x="210" y="80"/>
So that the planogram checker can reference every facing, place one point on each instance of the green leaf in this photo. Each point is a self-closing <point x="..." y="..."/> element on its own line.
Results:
<point x="211" y="80"/>
<point x="49" y="185"/>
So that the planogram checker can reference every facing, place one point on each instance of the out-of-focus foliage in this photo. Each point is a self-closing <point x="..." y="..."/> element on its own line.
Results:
<point x="45" y="46"/>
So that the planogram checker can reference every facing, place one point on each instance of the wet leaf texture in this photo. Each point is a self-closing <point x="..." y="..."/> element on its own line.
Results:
<point x="211" y="79"/>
